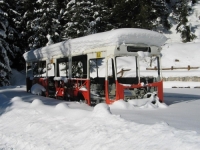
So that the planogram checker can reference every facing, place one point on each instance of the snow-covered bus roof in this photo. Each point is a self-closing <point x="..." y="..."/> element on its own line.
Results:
<point x="109" y="38"/>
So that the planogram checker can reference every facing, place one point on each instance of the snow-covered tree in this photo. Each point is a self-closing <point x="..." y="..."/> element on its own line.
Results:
<point x="102" y="20"/>
<point x="5" y="50"/>
<point x="140" y="14"/>
<point x="44" y="20"/>
<point x="14" y="36"/>
<point x="161" y="9"/>
<point x="183" y="26"/>
<point x="77" y="18"/>
<point x="83" y="17"/>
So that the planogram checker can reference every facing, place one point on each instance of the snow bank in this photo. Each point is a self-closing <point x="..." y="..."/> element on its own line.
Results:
<point x="109" y="38"/>
<point x="3" y="97"/>
<point x="41" y="127"/>
<point x="16" y="99"/>
<point x="101" y="110"/>
<point x="121" y="104"/>
<point x="37" y="89"/>
<point x="149" y="103"/>
<point x="36" y="103"/>
<point x="18" y="102"/>
<point x="61" y="107"/>
<point x="17" y="78"/>
<point x="180" y="55"/>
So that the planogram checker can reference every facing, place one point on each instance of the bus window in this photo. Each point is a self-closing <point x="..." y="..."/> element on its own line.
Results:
<point x="77" y="69"/>
<point x="110" y="68"/>
<point x="39" y="69"/>
<point x="125" y="68"/>
<point x="51" y="69"/>
<point x="29" y="70"/>
<point x="62" y="68"/>
<point x="97" y="67"/>
<point x="111" y="79"/>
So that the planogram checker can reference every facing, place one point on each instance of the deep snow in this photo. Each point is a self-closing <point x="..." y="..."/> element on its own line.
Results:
<point x="33" y="122"/>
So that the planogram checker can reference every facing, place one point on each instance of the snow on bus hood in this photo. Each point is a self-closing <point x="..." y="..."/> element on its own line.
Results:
<point x="109" y="38"/>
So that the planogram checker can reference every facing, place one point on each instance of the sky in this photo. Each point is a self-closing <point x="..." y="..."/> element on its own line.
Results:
<point x="33" y="122"/>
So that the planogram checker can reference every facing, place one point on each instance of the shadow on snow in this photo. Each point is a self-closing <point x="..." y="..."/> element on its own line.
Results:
<point x="173" y="98"/>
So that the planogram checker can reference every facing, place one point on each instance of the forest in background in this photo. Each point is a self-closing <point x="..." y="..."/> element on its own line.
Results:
<point x="26" y="25"/>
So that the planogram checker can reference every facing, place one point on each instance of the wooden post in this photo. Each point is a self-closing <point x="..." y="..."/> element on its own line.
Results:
<point x="188" y="67"/>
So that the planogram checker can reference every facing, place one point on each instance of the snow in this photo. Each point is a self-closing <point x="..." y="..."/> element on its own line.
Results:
<point x="34" y="122"/>
<point x="113" y="37"/>
<point x="193" y="21"/>
<point x="61" y="78"/>
<point x="17" y="78"/>
<point x="37" y="89"/>
<point x="30" y="121"/>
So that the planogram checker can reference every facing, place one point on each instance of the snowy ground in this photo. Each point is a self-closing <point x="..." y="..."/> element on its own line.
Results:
<point x="30" y="122"/>
<point x="33" y="122"/>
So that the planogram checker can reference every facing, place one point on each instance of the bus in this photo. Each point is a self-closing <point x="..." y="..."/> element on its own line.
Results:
<point x="102" y="67"/>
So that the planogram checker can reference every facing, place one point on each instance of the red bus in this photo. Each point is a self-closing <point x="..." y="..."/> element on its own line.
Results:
<point x="103" y="67"/>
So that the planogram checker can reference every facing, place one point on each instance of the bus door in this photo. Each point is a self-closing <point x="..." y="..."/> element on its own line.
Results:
<point x="97" y="80"/>
<point x="50" y="74"/>
<point x="110" y="80"/>
<point x="29" y="76"/>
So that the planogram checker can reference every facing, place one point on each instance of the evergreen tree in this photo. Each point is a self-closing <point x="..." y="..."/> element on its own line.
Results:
<point x="39" y="25"/>
<point x="14" y="37"/>
<point x="140" y="14"/>
<point x="194" y="1"/>
<point x="183" y="26"/>
<point x="147" y="15"/>
<point x="27" y="10"/>
<point x="78" y="18"/>
<point x="124" y="13"/>
<point x="83" y="17"/>
<point x="43" y="22"/>
<point x="101" y="20"/>
<point x="5" y="50"/>
<point x="161" y="9"/>
<point x="58" y="22"/>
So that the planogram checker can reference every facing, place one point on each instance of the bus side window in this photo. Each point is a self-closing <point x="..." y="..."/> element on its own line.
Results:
<point x="29" y="70"/>
<point x="77" y="69"/>
<point x="51" y="69"/>
<point x="39" y="69"/>
<point x="96" y="67"/>
<point x="63" y="69"/>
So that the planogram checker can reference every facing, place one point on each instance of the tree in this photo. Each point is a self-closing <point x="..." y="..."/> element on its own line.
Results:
<point x="77" y="18"/>
<point x="161" y="9"/>
<point x="140" y="14"/>
<point x="124" y="13"/>
<point x="14" y="36"/>
<point x="183" y="26"/>
<point x="42" y="22"/>
<point x="5" y="50"/>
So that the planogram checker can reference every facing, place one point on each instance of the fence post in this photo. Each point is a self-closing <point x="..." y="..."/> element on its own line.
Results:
<point x="188" y="67"/>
